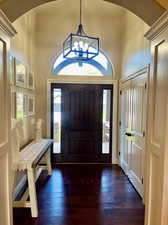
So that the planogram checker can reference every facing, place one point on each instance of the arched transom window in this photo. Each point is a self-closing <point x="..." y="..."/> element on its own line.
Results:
<point x="98" y="66"/>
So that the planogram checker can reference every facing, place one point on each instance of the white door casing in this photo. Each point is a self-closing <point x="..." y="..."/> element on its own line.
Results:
<point x="6" y="32"/>
<point x="157" y="154"/>
<point x="87" y="80"/>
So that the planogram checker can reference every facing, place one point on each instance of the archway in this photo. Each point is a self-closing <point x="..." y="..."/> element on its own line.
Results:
<point x="140" y="8"/>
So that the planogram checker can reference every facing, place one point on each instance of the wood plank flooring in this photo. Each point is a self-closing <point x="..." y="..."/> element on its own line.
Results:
<point x="84" y="195"/>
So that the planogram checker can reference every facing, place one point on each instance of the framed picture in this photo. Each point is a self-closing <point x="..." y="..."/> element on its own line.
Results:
<point x="11" y="69"/>
<point x="20" y="74"/>
<point x="13" y="105"/>
<point x="30" y="80"/>
<point x="31" y="105"/>
<point x="25" y="104"/>
<point x="21" y="105"/>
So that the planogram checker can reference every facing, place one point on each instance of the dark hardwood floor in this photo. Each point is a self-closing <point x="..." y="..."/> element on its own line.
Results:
<point x="84" y="195"/>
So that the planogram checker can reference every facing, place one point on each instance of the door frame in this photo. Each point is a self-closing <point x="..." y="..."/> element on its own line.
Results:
<point x="7" y="31"/>
<point x="139" y="73"/>
<point x="157" y="147"/>
<point x="87" y="80"/>
<point x="103" y="158"/>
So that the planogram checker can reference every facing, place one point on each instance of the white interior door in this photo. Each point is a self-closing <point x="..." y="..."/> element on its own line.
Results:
<point x="133" y="129"/>
<point x="138" y="130"/>
<point x="5" y="209"/>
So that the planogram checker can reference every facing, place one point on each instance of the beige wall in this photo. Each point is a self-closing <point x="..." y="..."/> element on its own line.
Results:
<point x="22" y="45"/>
<point x="23" y="48"/>
<point x="55" y="21"/>
<point x="135" y="47"/>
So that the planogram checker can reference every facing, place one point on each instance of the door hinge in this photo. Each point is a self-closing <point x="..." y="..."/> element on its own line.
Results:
<point x="142" y="180"/>
<point x="120" y="123"/>
<point x="119" y="153"/>
<point x="120" y="92"/>
<point x="144" y="134"/>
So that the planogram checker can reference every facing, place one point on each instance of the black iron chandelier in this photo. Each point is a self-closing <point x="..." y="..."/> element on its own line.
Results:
<point x="79" y="46"/>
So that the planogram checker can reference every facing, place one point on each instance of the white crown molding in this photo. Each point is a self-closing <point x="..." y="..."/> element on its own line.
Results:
<point x="158" y="27"/>
<point x="6" y="25"/>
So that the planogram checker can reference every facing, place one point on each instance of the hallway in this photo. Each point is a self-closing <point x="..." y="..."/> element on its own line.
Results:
<point x="84" y="195"/>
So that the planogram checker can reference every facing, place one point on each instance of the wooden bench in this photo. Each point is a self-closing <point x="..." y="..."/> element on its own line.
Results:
<point x="28" y="160"/>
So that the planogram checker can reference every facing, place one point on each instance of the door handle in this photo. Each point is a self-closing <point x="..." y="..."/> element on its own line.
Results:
<point x="129" y="134"/>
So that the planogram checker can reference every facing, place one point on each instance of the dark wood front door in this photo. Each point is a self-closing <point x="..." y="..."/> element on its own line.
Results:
<point x="81" y="124"/>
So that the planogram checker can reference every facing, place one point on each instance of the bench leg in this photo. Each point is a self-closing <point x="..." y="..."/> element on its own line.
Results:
<point x="48" y="162"/>
<point x="13" y="183"/>
<point x="32" y="192"/>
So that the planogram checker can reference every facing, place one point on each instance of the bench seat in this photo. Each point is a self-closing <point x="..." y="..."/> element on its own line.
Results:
<point x="32" y="154"/>
<point x="29" y="161"/>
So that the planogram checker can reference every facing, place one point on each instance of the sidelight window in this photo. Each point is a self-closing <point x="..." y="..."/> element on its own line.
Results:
<point x="106" y="121"/>
<point x="57" y="120"/>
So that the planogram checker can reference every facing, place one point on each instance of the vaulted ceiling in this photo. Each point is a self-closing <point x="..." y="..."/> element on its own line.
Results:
<point x="147" y="10"/>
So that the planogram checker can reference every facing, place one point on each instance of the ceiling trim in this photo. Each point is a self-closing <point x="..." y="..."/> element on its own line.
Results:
<point x="6" y="26"/>
<point x="158" y="27"/>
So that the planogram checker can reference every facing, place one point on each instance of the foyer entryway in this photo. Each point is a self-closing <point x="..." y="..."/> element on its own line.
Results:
<point x="81" y="123"/>
<point x="85" y="195"/>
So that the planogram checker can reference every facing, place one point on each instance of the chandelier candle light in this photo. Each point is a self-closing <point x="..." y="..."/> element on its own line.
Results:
<point x="79" y="46"/>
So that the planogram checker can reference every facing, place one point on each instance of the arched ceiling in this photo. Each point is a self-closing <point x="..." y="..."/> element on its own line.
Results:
<point x="147" y="10"/>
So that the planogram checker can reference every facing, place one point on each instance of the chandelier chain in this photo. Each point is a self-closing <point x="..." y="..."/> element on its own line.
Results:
<point x="80" y="11"/>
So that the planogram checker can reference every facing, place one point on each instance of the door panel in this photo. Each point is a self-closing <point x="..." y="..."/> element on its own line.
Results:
<point x="139" y="112"/>
<point x="81" y="125"/>
<point x="82" y="120"/>
<point x="125" y="126"/>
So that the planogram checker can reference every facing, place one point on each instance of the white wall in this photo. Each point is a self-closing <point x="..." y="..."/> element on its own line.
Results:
<point x="135" y="47"/>
<point x="23" y="48"/>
